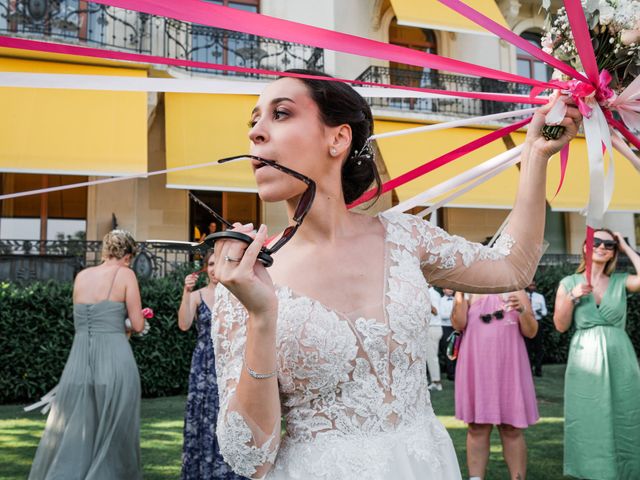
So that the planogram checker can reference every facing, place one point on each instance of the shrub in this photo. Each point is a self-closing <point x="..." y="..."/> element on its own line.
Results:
<point x="37" y="325"/>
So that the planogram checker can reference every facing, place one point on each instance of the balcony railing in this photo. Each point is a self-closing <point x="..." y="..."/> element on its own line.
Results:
<point x="81" y="22"/>
<point x="29" y="260"/>
<point x="451" y="107"/>
<point x="76" y="21"/>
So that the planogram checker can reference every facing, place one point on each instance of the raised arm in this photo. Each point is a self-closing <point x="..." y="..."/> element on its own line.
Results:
<point x="519" y="301"/>
<point x="567" y="298"/>
<point x="244" y="336"/>
<point x="459" y="312"/>
<point x="187" y="309"/>
<point x="453" y="262"/>
<point x="633" y="281"/>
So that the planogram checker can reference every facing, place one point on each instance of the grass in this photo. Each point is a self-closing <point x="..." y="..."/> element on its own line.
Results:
<point x="161" y="434"/>
<point x="544" y="439"/>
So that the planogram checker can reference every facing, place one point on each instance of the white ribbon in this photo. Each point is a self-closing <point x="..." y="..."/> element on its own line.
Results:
<point x="176" y="85"/>
<point x="459" y="180"/>
<point x="479" y="180"/>
<point x="44" y="402"/>
<point x="596" y="130"/>
<point x="455" y="123"/>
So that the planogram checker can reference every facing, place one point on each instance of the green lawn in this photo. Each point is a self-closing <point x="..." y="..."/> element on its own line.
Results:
<point x="544" y="440"/>
<point x="161" y="434"/>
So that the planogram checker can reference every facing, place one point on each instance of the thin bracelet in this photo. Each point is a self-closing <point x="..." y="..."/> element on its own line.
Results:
<point x="256" y="375"/>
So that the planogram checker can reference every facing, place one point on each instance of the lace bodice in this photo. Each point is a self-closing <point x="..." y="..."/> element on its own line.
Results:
<point x="360" y="374"/>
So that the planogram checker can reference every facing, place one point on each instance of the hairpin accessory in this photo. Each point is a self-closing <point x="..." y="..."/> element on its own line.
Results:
<point x="366" y="153"/>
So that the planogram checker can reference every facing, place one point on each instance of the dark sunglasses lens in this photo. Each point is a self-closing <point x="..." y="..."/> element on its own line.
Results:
<point x="499" y="314"/>
<point x="608" y="244"/>
<point x="486" y="318"/>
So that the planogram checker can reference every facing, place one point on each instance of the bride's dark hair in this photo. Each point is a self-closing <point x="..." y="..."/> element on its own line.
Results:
<point x="340" y="104"/>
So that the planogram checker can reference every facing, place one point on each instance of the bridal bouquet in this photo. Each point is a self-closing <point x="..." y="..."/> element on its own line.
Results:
<point x="615" y="35"/>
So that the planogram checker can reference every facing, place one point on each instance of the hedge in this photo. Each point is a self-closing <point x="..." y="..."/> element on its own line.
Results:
<point x="36" y="321"/>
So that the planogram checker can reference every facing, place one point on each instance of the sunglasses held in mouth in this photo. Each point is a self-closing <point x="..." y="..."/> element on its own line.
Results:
<point x="304" y="204"/>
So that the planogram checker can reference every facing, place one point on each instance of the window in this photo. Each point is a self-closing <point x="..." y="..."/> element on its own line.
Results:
<point x="529" y="66"/>
<point x="54" y="216"/>
<point x="420" y="39"/>
<point x="214" y="45"/>
<point x="234" y="206"/>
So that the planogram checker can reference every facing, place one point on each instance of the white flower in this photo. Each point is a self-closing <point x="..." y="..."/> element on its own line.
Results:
<point x="607" y="14"/>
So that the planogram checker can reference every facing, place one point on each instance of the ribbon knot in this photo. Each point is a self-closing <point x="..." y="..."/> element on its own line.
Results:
<point x="585" y="94"/>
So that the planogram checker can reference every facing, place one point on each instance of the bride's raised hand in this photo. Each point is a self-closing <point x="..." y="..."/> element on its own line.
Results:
<point x="571" y="123"/>
<point x="237" y="268"/>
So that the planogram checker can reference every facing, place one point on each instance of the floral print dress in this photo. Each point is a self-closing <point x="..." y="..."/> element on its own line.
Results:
<point x="201" y="457"/>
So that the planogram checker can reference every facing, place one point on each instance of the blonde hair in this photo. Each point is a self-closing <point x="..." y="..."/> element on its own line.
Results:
<point x="118" y="243"/>
<point x="610" y="266"/>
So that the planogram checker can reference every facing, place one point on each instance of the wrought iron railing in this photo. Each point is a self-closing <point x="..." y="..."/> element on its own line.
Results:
<point x="454" y="107"/>
<point x="77" y="21"/>
<point x="213" y="45"/>
<point x="27" y="260"/>
<point x="81" y="22"/>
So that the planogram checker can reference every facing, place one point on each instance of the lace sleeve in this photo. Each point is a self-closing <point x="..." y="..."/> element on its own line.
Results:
<point x="453" y="262"/>
<point x="249" y="450"/>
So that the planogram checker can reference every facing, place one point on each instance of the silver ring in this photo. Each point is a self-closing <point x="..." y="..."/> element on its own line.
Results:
<point x="231" y="259"/>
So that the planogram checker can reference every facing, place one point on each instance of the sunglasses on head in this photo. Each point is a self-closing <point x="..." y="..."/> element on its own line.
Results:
<point x="607" y="244"/>
<point x="304" y="204"/>
<point x="498" y="315"/>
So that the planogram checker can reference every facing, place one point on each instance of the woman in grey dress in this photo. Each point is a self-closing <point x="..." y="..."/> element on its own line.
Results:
<point x="93" y="429"/>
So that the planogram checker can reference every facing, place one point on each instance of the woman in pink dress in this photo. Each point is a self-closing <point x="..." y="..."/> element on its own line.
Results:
<point x="494" y="385"/>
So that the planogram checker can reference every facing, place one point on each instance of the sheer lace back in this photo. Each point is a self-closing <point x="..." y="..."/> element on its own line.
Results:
<point x="356" y="375"/>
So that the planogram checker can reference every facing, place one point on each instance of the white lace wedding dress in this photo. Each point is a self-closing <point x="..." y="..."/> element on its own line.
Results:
<point x="353" y="387"/>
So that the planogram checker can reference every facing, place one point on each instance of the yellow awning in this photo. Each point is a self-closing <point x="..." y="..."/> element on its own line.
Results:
<point x="404" y="153"/>
<point x="72" y="131"/>
<point x="575" y="190"/>
<point x="204" y="128"/>
<point x="435" y="15"/>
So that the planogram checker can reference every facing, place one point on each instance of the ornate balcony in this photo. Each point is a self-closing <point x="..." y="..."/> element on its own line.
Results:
<point x="213" y="45"/>
<point x="76" y="21"/>
<point x="82" y="22"/>
<point x="453" y="107"/>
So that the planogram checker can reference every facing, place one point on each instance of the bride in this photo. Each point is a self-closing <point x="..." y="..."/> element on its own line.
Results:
<point x="331" y="339"/>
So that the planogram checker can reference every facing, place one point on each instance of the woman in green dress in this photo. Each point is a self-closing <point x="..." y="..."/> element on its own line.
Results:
<point x="93" y="429"/>
<point x="602" y="382"/>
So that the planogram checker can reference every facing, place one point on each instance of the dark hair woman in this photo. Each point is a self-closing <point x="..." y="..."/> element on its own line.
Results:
<point x="333" y="336"/>
<point x="602" y="381"/>
<point x="201" y="456"/>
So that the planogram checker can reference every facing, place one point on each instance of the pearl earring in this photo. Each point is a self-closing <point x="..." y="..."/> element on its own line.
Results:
<point x="333" y="152"/>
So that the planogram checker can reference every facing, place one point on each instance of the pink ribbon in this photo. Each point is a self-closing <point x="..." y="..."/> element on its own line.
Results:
<point x="588" y="254"/>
